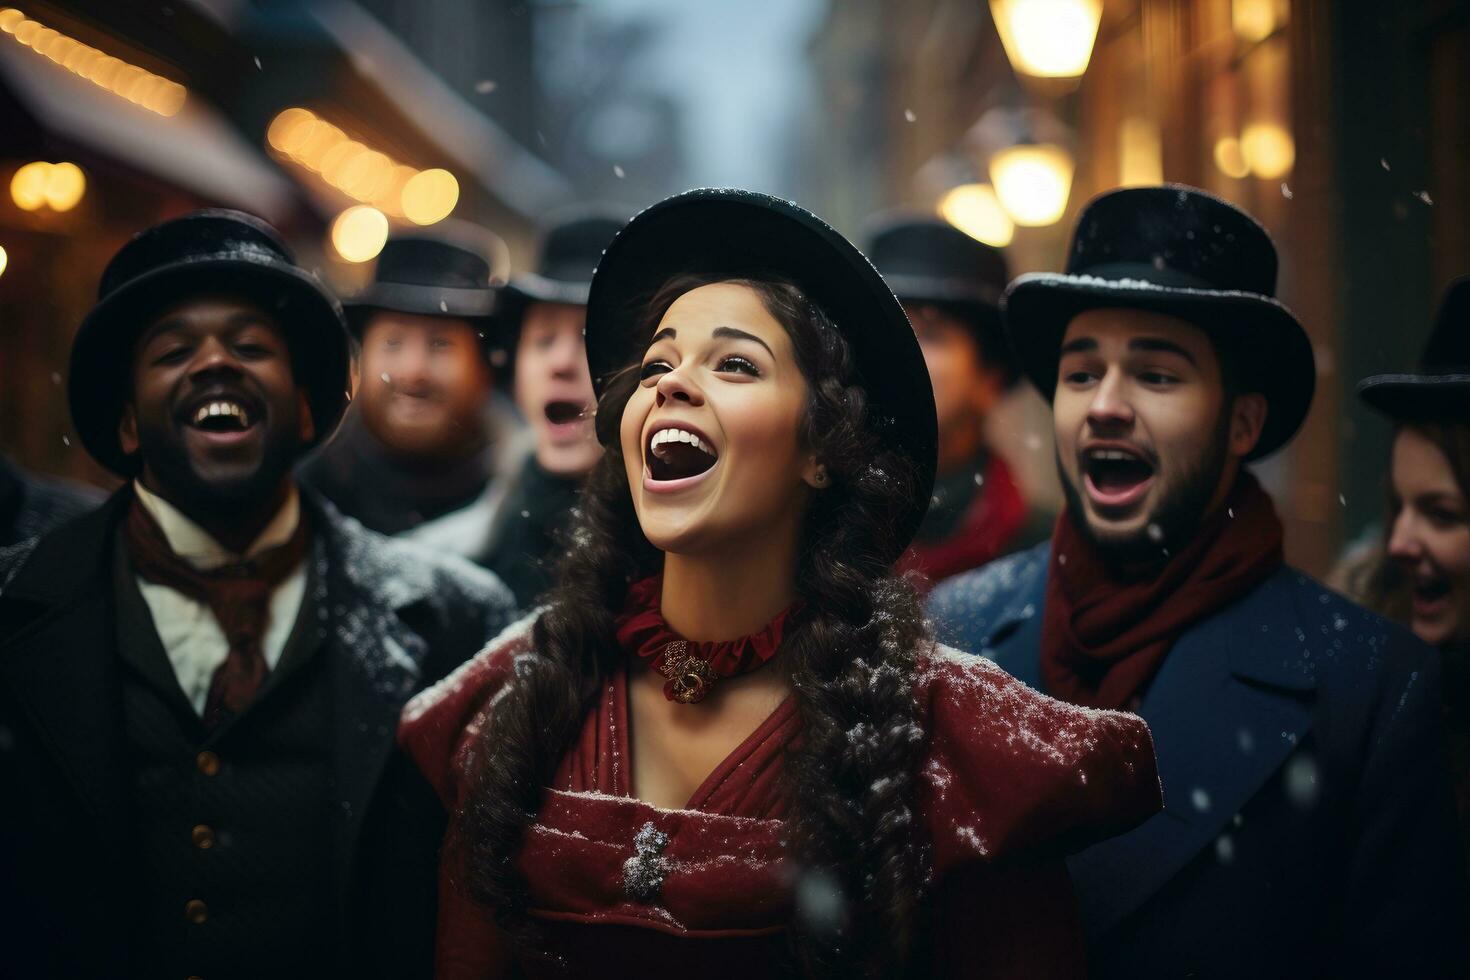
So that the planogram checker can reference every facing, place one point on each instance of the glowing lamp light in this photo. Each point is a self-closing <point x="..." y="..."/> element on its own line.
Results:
<point x="1269" y="150"/>
<point x="1140" y="153"/>
<point x="4" y="260"/>
<point x="1230" y="159"/>
<point x="1048" y="38"/>
<point x="429" y="196"/>
<point x="1033" y="182"/>
<point x="361" y="172"/>
<point x="1253" y="20"/>
<point x="59" y="186"/>
<point x="139" y="86"/>
<point x="359" y="233"/>
<point x="975" y="210"/>
<point x="28" y="186"/>
<point x="65" y="185"/>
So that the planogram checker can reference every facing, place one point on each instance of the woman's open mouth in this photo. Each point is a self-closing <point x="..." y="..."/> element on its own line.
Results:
<point x="1117" y="478"/>
<point x="1431" y="596"/>
<point x="677" y="457"/>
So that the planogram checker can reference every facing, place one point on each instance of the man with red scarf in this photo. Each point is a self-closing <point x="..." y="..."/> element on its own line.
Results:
<point x="1307" y="828"/>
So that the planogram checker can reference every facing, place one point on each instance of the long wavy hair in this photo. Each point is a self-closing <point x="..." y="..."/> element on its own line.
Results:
<point x="851" y="826"/>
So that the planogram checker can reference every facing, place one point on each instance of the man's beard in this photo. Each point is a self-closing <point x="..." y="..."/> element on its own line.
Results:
<point x="1175" y="518"/>
<point x="203" y="497"/>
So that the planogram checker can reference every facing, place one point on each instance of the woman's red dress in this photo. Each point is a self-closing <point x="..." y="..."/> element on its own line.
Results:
<point x="1012" y="782"/>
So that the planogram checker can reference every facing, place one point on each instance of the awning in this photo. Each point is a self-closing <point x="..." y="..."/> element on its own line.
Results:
<point x="197" y="149"/>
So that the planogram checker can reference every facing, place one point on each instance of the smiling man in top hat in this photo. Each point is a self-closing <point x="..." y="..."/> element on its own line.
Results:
<point x="544" y="316"/>
<point x="420" y="451"/>
<point x="950" y="286"/>
<point x="1307" y="828"/>
<point x="199" y="682"/>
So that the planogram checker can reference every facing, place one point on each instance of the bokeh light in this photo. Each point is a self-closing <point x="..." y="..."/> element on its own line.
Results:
<point x="359" y="233"/>
<point x="430" y="196"/>
<point x="1269" y="150"/>
<point x="138" y="85"/>
<point x="1033" y="182"/>
<point x="65" y="185"/>
<point x="976" y="210"/>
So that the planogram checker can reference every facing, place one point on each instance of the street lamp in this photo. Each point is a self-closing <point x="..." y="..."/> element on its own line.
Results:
<point x="1047" y="38"/>
<point x="1033" y="181"/>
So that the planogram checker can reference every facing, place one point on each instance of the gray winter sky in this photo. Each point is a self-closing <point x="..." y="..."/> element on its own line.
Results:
<point x="739" y="70"/>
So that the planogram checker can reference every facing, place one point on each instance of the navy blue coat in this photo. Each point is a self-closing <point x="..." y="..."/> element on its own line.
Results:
<point x="1307" y="828"/>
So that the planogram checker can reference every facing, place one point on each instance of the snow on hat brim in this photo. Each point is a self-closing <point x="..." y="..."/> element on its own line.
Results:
<point x="1273" y="353"/>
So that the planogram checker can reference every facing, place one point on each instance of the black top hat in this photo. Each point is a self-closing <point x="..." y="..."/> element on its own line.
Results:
<point x="1440" y="392"/>
<point x="1180" y="251"/>
<point x="209" y="251"/>
<point x="570" y="251"/>
<point x="738" y="233"/>
<point x="928" y="261"/>
<point x="429" y="274"/>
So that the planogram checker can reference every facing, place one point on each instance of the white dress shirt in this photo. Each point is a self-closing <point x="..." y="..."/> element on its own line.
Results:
<point x="191" y="636"/>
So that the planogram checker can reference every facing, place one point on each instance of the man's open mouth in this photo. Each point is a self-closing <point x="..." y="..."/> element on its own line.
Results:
<point x="677" y="454"/>
<point x="565" y="412"/>
<point x="222" y="416"/>
<point x="1116" y="476"/>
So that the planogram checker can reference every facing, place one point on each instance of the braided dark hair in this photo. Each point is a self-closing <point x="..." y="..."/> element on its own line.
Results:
<point x="852" y="834"/>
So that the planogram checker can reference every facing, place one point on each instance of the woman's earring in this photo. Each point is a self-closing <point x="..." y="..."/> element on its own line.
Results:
<point x="821" y="478"/>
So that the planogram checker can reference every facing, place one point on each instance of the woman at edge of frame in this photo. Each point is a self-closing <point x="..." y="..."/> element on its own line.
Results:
<point x="725" y="631"/>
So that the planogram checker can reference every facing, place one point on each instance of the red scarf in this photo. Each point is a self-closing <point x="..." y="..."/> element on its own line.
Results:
<point x="691" y="668"/>
<point x="1103" y="640"/>
<point x="989" y="526"/>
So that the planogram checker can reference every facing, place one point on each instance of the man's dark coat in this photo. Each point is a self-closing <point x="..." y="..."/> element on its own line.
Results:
<point x="390" y="619"/>
<point x="1307" y="827"/>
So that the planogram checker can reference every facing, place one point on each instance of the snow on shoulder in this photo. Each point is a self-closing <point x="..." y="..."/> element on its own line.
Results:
<point x="1012" y="770"/>
<point x="439" y="725"/>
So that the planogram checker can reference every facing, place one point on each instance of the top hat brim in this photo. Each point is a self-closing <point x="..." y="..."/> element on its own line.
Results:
<point x="533" y="288"/>
<point x="1277" y="358"/>
<point x="400" y="297"/>
<point x="1418" y="397"/>
<point x="737" y="234"/>
<point x="100" y="373"/>
<point x="936" y="289"/>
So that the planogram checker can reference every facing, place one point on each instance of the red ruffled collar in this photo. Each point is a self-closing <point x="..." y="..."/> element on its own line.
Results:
<point x="691" y="668"/>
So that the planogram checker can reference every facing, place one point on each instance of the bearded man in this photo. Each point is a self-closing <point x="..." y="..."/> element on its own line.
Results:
<point x="1308" y="828"/>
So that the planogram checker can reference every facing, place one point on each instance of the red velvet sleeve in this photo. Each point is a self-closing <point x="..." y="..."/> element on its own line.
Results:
<point x="438" y="730"/>
<point x="1015" y="776"/>
<point x="438" y="726"/>
<point x="1013" y="782"/>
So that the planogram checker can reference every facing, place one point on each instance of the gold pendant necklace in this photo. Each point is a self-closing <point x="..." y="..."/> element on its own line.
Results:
<point x="690" y="677"/>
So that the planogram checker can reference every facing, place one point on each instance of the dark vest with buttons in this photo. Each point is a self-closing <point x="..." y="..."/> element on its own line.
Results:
<point x="234" y="826"/>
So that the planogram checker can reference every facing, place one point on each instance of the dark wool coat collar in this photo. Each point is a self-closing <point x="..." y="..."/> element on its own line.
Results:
<point x="1229" y="705"/>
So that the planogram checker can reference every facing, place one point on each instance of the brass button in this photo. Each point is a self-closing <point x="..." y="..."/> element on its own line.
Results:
<point x="196" y="911"/>
<point x="203" y="837"/>
<point x="207" y="762"/>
